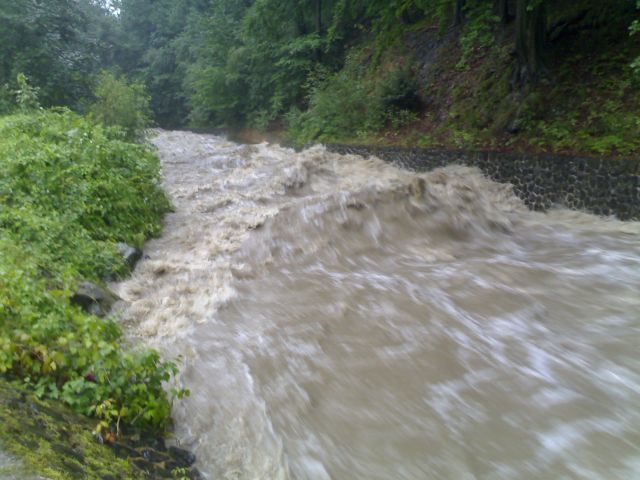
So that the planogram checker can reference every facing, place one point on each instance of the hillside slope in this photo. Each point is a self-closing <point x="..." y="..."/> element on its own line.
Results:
<point x="445" y="89"/>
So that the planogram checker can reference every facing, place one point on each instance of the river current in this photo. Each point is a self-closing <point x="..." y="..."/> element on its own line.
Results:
<point x="339" y="318"/>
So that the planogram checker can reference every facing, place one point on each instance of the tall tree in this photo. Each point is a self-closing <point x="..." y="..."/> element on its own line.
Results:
<point x="57" y="44"/>
<point x="531" y="35"/>
<point x="458" y="15"/>
<point x="151" y="50"/>
<point x="502" y="10"/>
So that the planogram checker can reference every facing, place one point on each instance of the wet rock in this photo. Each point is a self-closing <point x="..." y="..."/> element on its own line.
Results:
<point x="514" y="126"/>
<point x="94" y="299"/>
<point x="182" y="457"/>
<point x="131" y="255"/>
<point x="150" y="456"/>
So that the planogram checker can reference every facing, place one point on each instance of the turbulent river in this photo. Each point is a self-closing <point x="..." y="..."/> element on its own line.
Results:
<point x="339" y="318"/>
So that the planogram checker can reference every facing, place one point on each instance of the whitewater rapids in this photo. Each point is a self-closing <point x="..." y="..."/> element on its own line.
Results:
<point x="340" y="318"/>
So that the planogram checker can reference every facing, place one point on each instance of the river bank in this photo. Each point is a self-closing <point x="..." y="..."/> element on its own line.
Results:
<point x="451" y="89"/>
<point x="73" y="194"/>
<point x="50" y="441"/>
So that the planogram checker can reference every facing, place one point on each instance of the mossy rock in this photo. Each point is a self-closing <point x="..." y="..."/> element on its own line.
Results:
<point x="46" y="440"/>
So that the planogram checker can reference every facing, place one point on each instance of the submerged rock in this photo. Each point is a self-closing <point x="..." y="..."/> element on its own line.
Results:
<point x="184" y="457"/>
<point x="131" y="255"/>
<point x="93" y="298"/>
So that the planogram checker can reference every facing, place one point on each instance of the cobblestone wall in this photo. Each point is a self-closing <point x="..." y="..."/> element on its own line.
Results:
<point x="604" y="187"/>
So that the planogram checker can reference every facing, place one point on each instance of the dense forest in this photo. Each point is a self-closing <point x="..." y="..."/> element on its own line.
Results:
<point x="534" y="74"/>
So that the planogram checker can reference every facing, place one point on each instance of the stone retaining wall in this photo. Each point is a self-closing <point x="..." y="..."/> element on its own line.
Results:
<point x="603" y="187"/>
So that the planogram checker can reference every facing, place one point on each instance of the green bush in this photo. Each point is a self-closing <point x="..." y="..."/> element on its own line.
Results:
<point x="26" y="95"/>
<point x="23" y="96"/>
<point x="477" y="33"/>
<point x="69" y="190"/>
<point x="356" y="102"/>
<point x="7" y="103"/>
<point x="120" y="103"/>
<point x="337" y="109"/>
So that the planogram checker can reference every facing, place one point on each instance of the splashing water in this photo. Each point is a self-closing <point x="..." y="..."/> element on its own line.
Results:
<point x="339" y="318"/>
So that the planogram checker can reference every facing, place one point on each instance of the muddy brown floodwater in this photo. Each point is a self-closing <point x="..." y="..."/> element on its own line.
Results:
<point x="339" y="318"/>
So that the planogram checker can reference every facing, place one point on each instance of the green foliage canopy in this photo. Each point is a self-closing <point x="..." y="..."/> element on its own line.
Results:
<point x="57" y="44"/>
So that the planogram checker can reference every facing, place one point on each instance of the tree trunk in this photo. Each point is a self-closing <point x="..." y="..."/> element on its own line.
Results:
<point x="502" y="10"/>
<point x="319" y="28"/>
<point x="301" y="25"/>
<point x="531" y="30"/>
<point x="319" y="17"/>
<point x="458" y="15"/>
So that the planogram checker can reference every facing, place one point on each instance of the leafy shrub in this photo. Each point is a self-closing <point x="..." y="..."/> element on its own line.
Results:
<point x="7" y="103"/>
<point x="337" y="108"/>
<point x="355" y="102"/>
<point x="69" y="190"/>
<point x="399" y="90"/>
<point x="120" y="103"/>
<point x="26" y="95"/>
<point x="399" y="118"/>
<point x="20" y="96"/>
<point x="477" y="32"/>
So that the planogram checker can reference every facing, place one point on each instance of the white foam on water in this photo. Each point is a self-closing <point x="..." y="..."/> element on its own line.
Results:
<point x="339" y="318"/>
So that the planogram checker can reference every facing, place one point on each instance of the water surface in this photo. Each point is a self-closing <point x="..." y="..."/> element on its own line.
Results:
<point x="339" y="318"/>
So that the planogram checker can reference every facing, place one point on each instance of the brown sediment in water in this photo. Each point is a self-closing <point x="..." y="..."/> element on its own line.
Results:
<point x="341" y="318"/>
